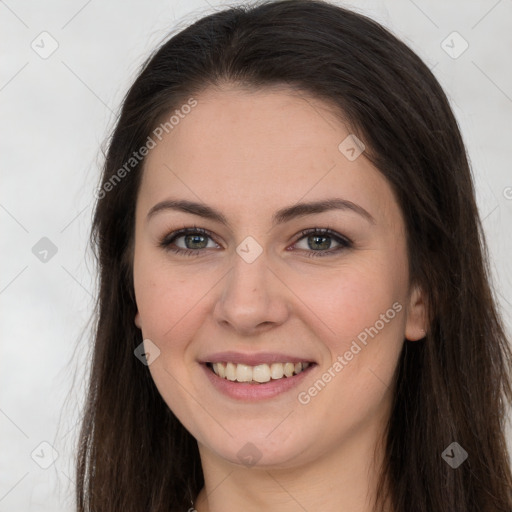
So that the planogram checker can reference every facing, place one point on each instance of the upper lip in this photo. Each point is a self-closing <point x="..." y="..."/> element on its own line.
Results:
<point x="254" y="359"/>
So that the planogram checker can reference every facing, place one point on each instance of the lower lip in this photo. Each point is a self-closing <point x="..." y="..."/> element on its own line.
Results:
<point x="253" y="392"/>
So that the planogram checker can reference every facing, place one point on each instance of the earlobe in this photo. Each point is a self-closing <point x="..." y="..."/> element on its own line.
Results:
<point x="415" y="327"/>
<point x="137" y="320"/>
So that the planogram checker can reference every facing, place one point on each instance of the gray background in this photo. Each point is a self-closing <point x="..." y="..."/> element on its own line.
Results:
<point x="57" y="111"/>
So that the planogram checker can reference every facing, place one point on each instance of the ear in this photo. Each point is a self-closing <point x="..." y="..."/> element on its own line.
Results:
<point x="137" y="320"/>
<point x="415" y="325"/>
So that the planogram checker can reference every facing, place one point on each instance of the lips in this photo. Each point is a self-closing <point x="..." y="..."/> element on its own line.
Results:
<point x="259" y="376"/>
<point x="251" y="391"/>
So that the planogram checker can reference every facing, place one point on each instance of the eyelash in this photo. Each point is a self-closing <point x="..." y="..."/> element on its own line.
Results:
<point x="344" y="242"/>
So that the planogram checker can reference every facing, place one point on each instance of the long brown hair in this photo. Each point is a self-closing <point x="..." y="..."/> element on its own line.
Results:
<point x="452" y="386"/>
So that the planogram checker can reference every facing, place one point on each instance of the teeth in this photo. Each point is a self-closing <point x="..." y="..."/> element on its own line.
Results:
<point x="260" y="373"/>
<point x="276" y="370"/>
<point x="243" y="373"/>
<point x="219" y="369"/>
<point x="230" y="371"/>
<point x="289" y="368"/>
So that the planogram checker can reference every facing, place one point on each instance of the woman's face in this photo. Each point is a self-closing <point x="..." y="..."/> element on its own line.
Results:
<point x="258" y="291"/>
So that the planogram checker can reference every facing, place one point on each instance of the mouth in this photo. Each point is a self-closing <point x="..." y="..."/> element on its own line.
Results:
<point x="259" y="374"/>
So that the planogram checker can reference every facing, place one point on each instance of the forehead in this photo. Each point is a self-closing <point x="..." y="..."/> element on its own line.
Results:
<point x="239" y="150"/>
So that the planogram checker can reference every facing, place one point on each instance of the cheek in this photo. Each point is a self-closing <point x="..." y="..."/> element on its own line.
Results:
<point x="165" y="296"/>
<point x="350" y="300"/>
<point x="169" y="304"/>
<point x="360" y="317"/>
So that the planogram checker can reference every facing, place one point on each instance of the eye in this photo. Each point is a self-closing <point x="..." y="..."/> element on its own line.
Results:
<point x="194" y="240"/>
<point x="319" y="240"/>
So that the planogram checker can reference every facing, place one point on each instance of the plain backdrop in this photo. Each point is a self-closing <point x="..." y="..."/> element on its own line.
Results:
<point x="65" y="67"/>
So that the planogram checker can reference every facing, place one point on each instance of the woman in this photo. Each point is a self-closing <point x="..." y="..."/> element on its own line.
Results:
<point x="294" y="309"/>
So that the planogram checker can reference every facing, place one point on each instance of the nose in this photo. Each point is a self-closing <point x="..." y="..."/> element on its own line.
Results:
<point x="253" y="299"/>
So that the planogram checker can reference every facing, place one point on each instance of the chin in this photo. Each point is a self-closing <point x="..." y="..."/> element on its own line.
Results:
<point x="261" y="450"/>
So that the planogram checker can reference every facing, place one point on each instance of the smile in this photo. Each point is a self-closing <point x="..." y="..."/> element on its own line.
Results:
<point x="260" y="373"/>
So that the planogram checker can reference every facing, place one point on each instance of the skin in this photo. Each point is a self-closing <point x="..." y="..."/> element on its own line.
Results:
<point x="249" y="154"/>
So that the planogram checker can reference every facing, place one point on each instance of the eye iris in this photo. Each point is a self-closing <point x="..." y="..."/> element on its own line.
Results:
<point x="320" y="245"/>
<point x="194" y="239"/>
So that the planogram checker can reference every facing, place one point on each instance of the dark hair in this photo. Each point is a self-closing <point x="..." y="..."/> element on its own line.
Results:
<point x="454" y="385"/>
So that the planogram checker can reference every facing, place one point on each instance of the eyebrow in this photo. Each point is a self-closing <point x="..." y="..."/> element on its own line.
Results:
<point x="281" y="216"/>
